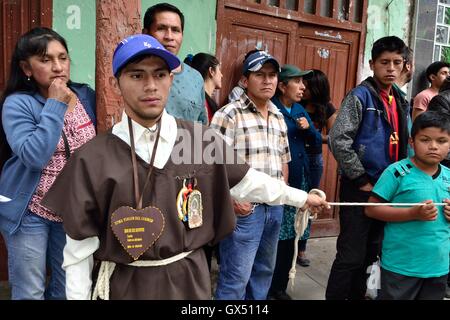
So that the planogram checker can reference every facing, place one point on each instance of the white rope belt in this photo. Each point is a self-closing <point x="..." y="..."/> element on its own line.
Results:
<point x="158" y="263"/>
<point x="300" y="224"/>
<point x="101" y="289"/>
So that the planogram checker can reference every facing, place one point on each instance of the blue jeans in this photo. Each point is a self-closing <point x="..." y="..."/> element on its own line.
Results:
<point x="248" y="255"/>
<point x="315" y="169"/>
<point x="37" y="242"/>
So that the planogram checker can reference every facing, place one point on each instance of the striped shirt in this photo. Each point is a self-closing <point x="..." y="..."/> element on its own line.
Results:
<point x="263" y="143"/>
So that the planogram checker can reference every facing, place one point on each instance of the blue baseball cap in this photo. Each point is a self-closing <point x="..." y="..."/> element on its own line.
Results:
<point x="141" y="44"/>
<point x="256" y="60"/>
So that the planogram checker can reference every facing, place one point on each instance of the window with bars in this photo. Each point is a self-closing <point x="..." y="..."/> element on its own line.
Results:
<point x="442" y="32"/>
<point x="343" y="10"/>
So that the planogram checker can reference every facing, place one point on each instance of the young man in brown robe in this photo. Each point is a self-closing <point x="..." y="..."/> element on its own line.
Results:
<point x="152" y="253"/>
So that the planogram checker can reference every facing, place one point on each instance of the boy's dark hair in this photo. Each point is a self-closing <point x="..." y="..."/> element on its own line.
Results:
<point x="390" y="44"/>
<point x="151" y="12"/>
<point x="434" y="68"/>
<point x="409" y="57"/>
<point x="430" y="119"/>
<point x="409" y="54"/>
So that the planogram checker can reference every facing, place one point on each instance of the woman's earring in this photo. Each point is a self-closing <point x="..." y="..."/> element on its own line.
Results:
<point x="28" y="79"/>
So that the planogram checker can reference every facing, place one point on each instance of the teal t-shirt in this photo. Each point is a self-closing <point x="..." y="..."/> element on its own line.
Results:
<point x="187" y="96"/>
<point x="415" y="248"/>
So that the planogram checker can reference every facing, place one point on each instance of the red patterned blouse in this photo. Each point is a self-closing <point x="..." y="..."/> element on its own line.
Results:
<point x="79" y="129"/>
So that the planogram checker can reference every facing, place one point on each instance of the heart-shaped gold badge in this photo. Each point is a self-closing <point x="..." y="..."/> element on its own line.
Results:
<point x="137" y="230"/>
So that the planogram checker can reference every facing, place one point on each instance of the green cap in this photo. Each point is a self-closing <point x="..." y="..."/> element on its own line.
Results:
<point x="290" y="71"/>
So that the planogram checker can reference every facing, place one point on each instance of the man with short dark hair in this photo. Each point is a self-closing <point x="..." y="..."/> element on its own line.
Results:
<point x="406" y="74"/>
<point x="404" y="78"/>
<point x="255" y="128"/>
<point x="436" y="74"/>
<point x="186" y="101"/>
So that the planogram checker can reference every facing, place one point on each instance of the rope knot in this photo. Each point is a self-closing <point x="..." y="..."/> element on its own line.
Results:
<point x="300" y="224"/>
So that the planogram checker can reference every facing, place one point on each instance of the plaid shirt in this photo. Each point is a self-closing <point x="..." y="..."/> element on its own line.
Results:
<point x="262" y="143"/>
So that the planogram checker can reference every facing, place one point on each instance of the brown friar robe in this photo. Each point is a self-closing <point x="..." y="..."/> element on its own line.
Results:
<point x="98" y="179"/>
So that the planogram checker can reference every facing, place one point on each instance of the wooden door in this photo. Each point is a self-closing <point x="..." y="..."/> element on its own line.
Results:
<point x="244" y="31"/>
<point x="335" y="52"/>
<point x="17" y="17"/>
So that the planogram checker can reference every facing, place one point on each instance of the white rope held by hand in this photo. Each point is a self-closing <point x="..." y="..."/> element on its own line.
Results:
<point x="300" y="224"/>
<point x="303" y="214"/>
<point x="384" y="204"/>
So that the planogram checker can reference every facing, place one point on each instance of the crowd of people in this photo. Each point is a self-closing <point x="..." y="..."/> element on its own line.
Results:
<point x="139" y="211"/>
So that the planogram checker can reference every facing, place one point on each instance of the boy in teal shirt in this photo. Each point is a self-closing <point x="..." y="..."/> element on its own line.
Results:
<point x="415" y="251"/>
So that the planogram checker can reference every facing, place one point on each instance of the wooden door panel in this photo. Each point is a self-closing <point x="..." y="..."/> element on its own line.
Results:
<point x="17" y="17"/>
<point x="335" y="59"/>
<point x="243" y="32"/>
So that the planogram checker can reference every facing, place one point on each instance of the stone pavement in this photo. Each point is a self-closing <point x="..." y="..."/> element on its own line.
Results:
<point x="310" y="282"/>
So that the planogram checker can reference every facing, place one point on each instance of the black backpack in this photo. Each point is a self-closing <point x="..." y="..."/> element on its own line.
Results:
<point x="439" y="104"/>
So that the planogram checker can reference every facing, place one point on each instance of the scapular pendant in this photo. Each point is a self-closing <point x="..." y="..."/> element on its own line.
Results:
<point x="189" y="204"/>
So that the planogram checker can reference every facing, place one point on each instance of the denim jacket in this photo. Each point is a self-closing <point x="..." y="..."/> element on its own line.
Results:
<point x="33" y="128"/>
